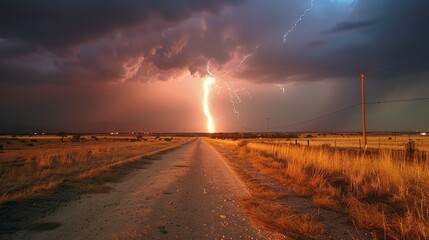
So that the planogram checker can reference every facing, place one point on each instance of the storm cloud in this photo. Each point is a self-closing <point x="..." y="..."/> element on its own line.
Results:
<point x="76" y="40"/>
<point x="79" y="43"/>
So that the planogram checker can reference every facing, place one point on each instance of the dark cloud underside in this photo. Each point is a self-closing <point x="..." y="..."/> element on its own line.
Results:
<point x="79" y="43"/>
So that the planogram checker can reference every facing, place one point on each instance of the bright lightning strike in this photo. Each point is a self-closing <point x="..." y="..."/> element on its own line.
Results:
<point x="233" y="93"/>
<point x="237" y="66"/>
<point x="282" y="87"/>
<point x="301" y="17"/>
<point x="206" y="106"/>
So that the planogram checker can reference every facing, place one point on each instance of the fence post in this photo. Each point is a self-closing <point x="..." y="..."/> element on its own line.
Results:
<point x="296" y="141"/>
<point x="360" y="146"/>
<point x="308" y="143"/>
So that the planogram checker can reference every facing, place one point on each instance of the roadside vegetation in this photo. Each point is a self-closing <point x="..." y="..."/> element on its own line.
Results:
<point x="30" y="166"/>
<point x="381" y="194"/>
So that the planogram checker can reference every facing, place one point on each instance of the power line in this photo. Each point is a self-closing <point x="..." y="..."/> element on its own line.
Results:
<point x="399" y="100"/>
<point x="350" y="107"/>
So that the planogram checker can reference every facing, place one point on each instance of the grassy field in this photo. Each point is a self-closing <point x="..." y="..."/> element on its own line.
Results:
<point x="380" y="194"/>
<point x="32" y="164"/>
<point x="396" y="142"/>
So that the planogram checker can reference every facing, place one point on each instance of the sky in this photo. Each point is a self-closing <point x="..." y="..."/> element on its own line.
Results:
<point x="140" y="65"/>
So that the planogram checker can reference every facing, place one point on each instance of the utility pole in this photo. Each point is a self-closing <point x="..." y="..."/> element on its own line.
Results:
<point x="362" y="78"/>
<point x="268" y="124"/>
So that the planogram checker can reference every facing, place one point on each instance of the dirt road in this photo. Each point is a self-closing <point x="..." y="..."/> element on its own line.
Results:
<point x="187" y="193"/>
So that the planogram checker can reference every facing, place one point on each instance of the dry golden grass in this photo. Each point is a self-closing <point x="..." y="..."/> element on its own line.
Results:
<point x="284" y="219"/>
<point x="267" y="206"/>
<point x="388" y="197"/>
<point x="28" y="170"/>
<point x="355" y="141"/>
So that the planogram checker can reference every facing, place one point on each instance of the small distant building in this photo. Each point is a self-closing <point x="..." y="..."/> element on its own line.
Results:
<point x="423" y="134"/>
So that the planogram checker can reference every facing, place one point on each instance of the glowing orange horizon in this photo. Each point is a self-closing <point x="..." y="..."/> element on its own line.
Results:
<point x="206" y="105"/>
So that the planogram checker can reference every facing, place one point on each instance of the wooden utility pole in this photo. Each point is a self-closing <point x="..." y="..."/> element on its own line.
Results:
<point x="362" y="78"/>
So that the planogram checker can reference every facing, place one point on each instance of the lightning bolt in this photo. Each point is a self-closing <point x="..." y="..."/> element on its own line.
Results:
<point x="232" y="93"/>
<point x="301" y="17"/>
<point x="281" y="86"/>
<point x="236" y="66"/>
<point x="208" y="82"/>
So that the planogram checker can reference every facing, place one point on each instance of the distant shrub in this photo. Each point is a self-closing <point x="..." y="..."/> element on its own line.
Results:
<point x="242" y="143"/>
<point x="309" y="136"/>
<point x="76" y="138"/>
<point x="291" y="135"/>
<point x="33" y="140"/>
<point x="410" y="149"/>
<point x="62" y="134"/>
<point x="30" y="145"/>
<point x="167" y="139"/>
<point x="1" y="146"/>
<point x="389" y="138"/>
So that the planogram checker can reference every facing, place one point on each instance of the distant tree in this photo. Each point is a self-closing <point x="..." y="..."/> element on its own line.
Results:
<point x="291" y="135"/>
<point x="139" y="137"/>
<point x="76" y="138"/>
<point x="62" y="135"/>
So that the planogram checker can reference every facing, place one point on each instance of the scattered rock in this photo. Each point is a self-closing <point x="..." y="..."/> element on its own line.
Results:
<point x="222" y="216"/>
<point x="162" y="229"/>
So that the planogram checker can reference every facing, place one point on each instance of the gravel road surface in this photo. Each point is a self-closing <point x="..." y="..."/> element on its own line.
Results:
<point x="187" y="193"/>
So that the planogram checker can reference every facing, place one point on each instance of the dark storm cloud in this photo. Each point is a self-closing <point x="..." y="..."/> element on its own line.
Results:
<point x="351" y="25"/>
<point x="373" y="36"/>
<point x="315" y="44"/>
<point x="68" y="41"/>
<point x="58" y="23"/>
<point x="52" y="51"/>
<point x="78" y="40"/>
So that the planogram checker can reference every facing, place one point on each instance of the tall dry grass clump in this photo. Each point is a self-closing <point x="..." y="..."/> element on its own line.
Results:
<point x="379" y="193"/>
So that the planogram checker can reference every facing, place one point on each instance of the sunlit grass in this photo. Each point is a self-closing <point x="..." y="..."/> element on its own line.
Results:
<point x="26" y="171"/>
<point x="387" y="196"/>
